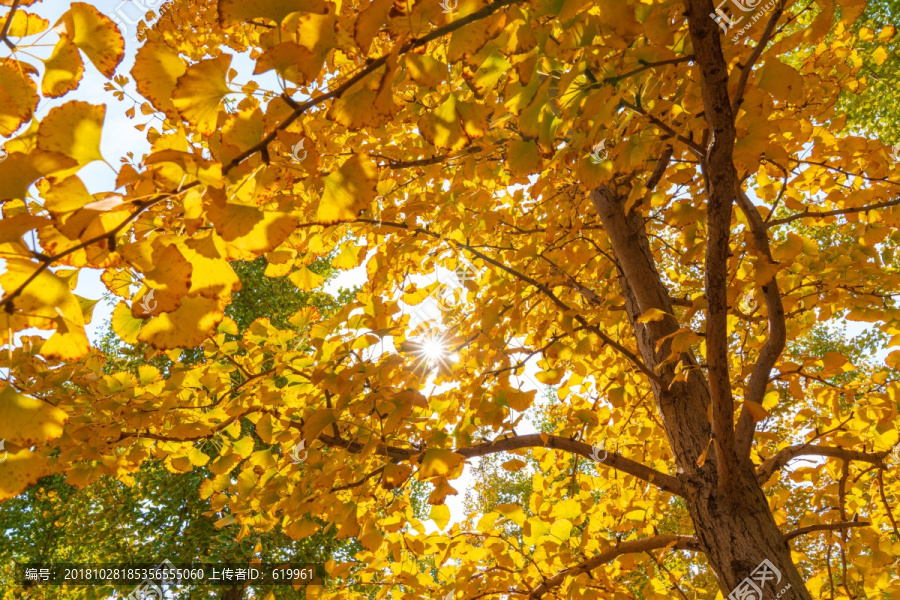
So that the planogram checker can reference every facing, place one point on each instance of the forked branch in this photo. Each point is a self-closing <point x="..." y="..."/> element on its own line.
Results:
<point x="615" y="461"/>
<point x="824" y="527"/>
<point x="676" y="542"/>
<point x="783" y="457"/>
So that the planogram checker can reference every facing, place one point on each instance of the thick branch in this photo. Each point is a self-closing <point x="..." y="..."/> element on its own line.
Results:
<point x="777" y="334"/>
<point x="660" y="169"/>
<point x="833" y="213"/>
<point x="720" y="179"/>
<point x="356" y="447"/>
<point x="644" y="290"/>
<point x="824" y="527"/>
<point x="677" y="542"/>
<point x="783" y="457"/>
<point x="666" y="482"/>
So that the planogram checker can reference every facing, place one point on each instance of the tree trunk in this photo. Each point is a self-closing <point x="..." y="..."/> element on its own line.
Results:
<point x="736" y="529"/>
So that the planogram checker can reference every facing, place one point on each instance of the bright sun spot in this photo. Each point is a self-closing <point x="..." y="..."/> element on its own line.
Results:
<point x="433" y="350"/>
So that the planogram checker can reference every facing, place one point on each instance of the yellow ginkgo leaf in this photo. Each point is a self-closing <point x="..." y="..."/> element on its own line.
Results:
<point x="524" y="157"/>
<point x="561" y="529"/>
<point x="195" y="166"/>
<point x="781" y="80"/>
<point x="290" y="60"/>
<point x="212" y="276"/>
<point x="440" y="514"/>
<point x="18" y="471"/>
<point x="652" y="314"/>
<point x="68" y="342"/>
<point x="372" y="539"/>
<point x="20" y="170"/>
<point x="370" y="21"/>
<point x="454" y="124"/>
<point x="63" y="70"/>
<point x="64" y="197"/>
<point x="833" y="360"/>
<point x="192" y="322"/>
<point x="96" y="35"/>
<point x="592" y="173"/>
<point x="487" y="75"/>
<point x="300" y="529"/>
<point x="248" y="231"/>
<point x="305" y="280"/>
<point x="395" y="475"/>
<point x="514" y="464"/>
<point x="156" y="71"/>
<point x="26" y="23"/>
<point x="171" y="272"/>
<point x="126" y="326"/>
<point x="243" y="130"/>
<point x="199" y="91"/>
<point x="425" y="69"/>
<point x="73" y="129"/>
<point x="98" y="214"/>
<point x="225" y="521"/>
<point x="46" y="303"/>
<point x="756" y="410"/>
<point x="316" y="423"/>
<point x="27" y="421"/>
<point x="361" y="106"/>
<point x="701" y="460"/>
<point x="348" y="190"/>
<point x="438" y="461"/>
<point x="513" y="512"/>
<point x="18" y="95"/>
<point x="469" y="39"/>
<point x="150" y="302"/>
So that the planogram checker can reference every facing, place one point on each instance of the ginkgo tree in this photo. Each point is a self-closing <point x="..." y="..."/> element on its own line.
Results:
<point x="662" y="203"/>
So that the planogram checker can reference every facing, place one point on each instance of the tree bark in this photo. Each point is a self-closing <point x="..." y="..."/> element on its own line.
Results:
<point x="735" y="528"/>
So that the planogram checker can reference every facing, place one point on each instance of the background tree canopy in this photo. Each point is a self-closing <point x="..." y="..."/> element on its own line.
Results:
<point x="683" y="216"/>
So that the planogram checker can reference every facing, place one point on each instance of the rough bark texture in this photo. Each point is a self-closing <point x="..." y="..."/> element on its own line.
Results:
<point x="735" y="528"/>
